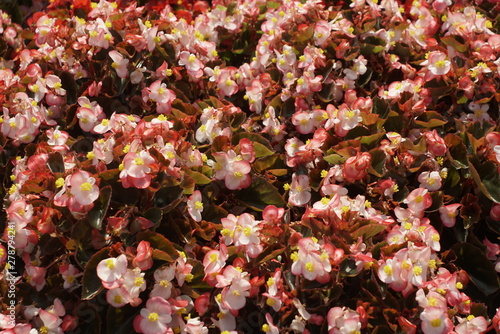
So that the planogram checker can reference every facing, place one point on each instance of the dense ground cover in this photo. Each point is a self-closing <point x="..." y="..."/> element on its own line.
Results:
<point x="252" y="166"/>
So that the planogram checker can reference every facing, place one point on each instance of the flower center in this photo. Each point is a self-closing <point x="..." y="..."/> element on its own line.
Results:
<point x="110" y="264"/>
<point x="138" y="281"/>
<point x="153" y="316"/>
<point x="436" y="322"/>
<point x="86" y="186"/>
<point x="118" y="299"/>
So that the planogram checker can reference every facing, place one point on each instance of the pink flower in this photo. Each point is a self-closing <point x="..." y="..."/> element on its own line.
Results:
<point x="247" y="151"/>
<point x="69" y="273"/>
<point x="300" y="192"/>
<point x="20" y="213"/>
<point x="342" y="320"/>
<point x="448" y="214"/>
<point x="495" y="212"/>
<point x="269" y="326"/>
<point x="143" y="259"/>
<point x="118" y="297"/>
<point x="195" y="206"/>
<point x="430" y="180"/>
<point x="437" y="62"/>
<point x="236" y="287"/>
<point x="322" y="31"/>
<point x="242" y="231"/>
<point x="88" y="118"/>
<point x="163" y="282"/>
<point x="226" y="85"/>
<point x="51" y="323"/>
<point x="159" y="92"/>
<point x="193" y="65"/>
<point x="83" y="187"/>
<point x="112" y="269"/>
<point x="356" y="167"/>
<point x="435" y="144"/>
<point x="195" y="326"/>
<point x="303" y="122"/>
<point x="237" y="176"/>
<point x="311" y="261"/>
<point x="155" y="317"/>
<point x="389" y="272"/>
<point x="419" y="200"/>
<point x="135" y="169"/>
<point x="472" y="325"/>
<point x="134" y="282"/>
<point x="119" y="63"/>
<point x="57" y="139"/>
<point x="435" y="321"/>
<point x="36" y="276"/>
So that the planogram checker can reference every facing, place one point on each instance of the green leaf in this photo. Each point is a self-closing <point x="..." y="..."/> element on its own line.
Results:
<point x="335" y="159"/>
<point x="254" y="137"/>
<point x="433" y="123"/>
<point x="269" y="254"/>
<point x="370" y="49"/>
<point x="368" y="231"/>
<point x="487" y="179"/>
<point x="480" y="270"/>
<point x="452" y="40"/>
<point x="261" y="150"/>
<point x="69" y="84"/>
<point x="372" y="140"/>
<point x="457" y="152"/>
<point x="56" y="163"/>
<point x="168" y="198"/>
<point x="98" y="212"/>
<point x="214" y="213"/>
<point x="91" y="283"/>
<point x="161" y="243"/>
<point x="81" y="233"/>
<point x="274" y="161"/>
<point x="154" y="215"/>
<point x="260" y="194"/>
<point x="437" y="201"/>
<point x="89" y="319"/>
<point x="121" y="319"/>
<point x="377" y="162"/>
<point x="161" y="256"/>
<point x="304" y="35"/>
<point x="198" y="177"/>
<point x="470" y="211"/>
<point x="237" y="119"/>
<point x="381" y="107"/>
<point x="348" y="268"/>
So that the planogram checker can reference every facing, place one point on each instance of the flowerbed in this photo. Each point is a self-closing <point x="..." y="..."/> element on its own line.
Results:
<point x="252" y="166"/>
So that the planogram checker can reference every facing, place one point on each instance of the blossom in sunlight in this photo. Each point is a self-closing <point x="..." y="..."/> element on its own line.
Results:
<point x="300" y="192"/>
<point x="435" y="320"/>
<point x="136" y="167"/>
<point x="356" y="167"/>
<point x="119" y="63"/>
<point x="419" y="200"/>
<point x="83" y="187"/>
<point x="448" y="214"/>
<point x="195" y="206"/>
<point x="437" y="63"/>
<point x="311" y="261"/>
<point x="155" y="317"/>
<point x="112" y="269"/>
